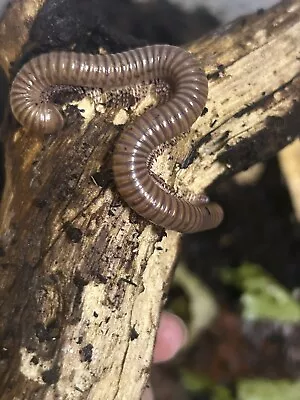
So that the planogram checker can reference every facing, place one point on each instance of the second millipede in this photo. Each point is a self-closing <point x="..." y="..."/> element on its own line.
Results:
<point x="34" y="110"/>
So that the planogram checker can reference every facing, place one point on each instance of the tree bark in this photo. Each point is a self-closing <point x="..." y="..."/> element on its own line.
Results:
<point x="83" y="278"/>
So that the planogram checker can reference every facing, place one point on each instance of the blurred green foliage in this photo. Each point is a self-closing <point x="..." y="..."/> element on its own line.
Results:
<point x="262" y="296"/>
<point x="262" y="389"/>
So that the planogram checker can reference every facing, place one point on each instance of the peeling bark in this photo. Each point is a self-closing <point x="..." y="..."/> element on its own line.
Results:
<point x="82" y="278"/>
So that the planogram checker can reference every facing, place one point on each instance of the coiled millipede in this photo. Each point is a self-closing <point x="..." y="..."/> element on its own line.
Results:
<point x="33" y="108"/>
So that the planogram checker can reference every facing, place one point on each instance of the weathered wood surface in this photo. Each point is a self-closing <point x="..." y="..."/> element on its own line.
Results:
<point x="82" y="278"/>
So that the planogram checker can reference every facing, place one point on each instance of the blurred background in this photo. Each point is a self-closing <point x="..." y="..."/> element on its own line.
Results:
<point x="224" y="10"/>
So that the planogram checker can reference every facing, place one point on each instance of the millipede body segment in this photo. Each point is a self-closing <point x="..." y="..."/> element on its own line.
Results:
<point x="33" y="108"/>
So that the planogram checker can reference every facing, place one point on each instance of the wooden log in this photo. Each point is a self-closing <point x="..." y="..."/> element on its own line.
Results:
<point x="82" y="278"/>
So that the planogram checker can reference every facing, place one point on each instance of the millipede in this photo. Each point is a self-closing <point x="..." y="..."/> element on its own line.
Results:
<point x="33" y="107"/>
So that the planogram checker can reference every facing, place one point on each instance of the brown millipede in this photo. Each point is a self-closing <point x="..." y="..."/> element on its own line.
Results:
<point x="33" y="108"/>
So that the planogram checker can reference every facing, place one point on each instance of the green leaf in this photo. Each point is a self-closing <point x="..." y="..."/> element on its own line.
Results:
<point x="263" y="297"/>
<point x="268" y="390"/>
